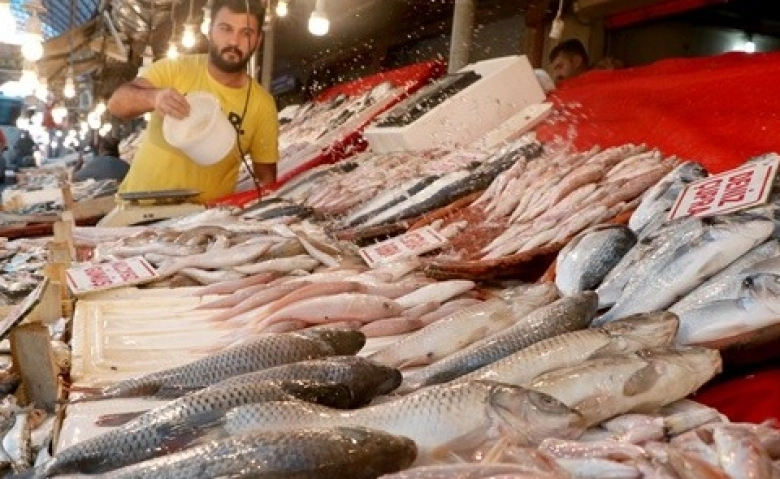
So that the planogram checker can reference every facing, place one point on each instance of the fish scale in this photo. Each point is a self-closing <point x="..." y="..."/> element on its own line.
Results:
<point x="183" y="419"/>
<point x="452" y="416"/>
<point x="337" y="453"/>
<point x="259" y="353"/>
<point x="566" y="314"/>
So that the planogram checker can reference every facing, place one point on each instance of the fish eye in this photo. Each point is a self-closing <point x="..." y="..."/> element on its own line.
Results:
<point x="547" y="403"/>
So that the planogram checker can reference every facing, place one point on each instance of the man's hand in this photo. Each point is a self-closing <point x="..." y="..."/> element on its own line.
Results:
<point x="170" y="102"/>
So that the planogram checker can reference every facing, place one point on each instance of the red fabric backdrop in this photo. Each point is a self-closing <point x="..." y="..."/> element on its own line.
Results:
<point x="717" y="110"/>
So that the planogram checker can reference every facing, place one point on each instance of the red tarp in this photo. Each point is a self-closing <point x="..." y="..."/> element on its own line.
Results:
<point x="717" y="110"/>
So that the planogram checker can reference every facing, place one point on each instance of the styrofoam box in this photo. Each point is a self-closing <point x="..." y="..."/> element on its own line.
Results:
<point x="507" y="85"/>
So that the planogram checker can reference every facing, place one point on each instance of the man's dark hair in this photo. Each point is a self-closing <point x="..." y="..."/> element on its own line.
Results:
<point x="253" y="7"/>
<point x="570" y="47"/>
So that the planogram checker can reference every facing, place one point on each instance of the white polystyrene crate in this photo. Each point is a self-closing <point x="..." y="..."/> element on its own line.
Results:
<point x="507" y="85"/>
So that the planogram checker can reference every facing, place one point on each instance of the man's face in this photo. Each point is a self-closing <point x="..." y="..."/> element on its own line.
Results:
<point x="565" y="66"/>
<point x="234" y="38"/>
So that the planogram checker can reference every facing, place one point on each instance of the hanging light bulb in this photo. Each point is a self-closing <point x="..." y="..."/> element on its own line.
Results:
<point x="188" y="38"/>
<point x="282" y="9"/>
<point x="173" y="51"/>
<point x="318" y="21"/>
<point x="7" y="20"/>
<point x="32" y="46"/>
<point x="69" y="89"/>
<point x="205" y="26"/>
<point x="29" y="81"/>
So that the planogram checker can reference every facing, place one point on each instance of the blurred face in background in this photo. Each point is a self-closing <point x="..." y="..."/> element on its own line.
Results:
<point x="566" y="65"/>
<point x="233" y="40"/>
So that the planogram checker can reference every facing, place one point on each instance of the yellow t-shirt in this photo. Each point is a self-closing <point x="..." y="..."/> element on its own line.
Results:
<point x="159" y="166"/>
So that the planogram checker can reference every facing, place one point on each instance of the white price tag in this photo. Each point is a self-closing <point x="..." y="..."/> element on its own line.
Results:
<point x="98" y="277"/>
<point x="413" y="243"/>
<point x="737" y="189"/>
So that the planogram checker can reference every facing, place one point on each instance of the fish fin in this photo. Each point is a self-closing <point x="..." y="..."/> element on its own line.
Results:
<point x="117" y="419"/>
<point x="465" y="444"/>
<point x="641" y="381"/>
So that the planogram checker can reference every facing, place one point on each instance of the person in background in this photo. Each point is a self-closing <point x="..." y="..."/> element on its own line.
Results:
<point x="568" y="59"/>
<point x="234" y="36"/>
<point x="106" y="165"/>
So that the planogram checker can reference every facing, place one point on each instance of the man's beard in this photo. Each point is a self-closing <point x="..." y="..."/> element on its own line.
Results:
<point x="227" y="66"/>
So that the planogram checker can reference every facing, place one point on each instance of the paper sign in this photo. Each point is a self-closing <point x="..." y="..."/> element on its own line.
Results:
<point x="21" y="310"/>
<point x="413" y="243"/>
<point x="737" y="189"/>
<point x="99" y="277"/>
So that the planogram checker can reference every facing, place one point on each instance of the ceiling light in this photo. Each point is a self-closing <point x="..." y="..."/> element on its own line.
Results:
<point x="205" y="26"/>
<point x="69" y="89"/>
<point x="188" y="38"/>
<point x="749" y="47"/>
<point x="7" y="20"/>
<point x="282" y="8"/>
<point x="32" y="46"/>
<point x="318" y="21"/>
<point x="173" y="52"/>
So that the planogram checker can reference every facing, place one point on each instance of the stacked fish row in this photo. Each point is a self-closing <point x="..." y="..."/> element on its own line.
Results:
<point x="306" y="125"/>
<point x="719" y="273"/>
<point x="539" y="377"/>
<point x="218" y="246"/>
<point x="381" y="302"/>
<point x="685" y="440"/>
<point x="22" y="263"/>
<point x="280" y="377"/>
<point x="553" y="198"/>
<point x="378" y="189"/>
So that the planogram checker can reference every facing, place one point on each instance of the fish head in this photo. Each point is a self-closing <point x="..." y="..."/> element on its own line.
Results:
<point x="368" y="378"/>
<point x="341" y="341"/>
<point x="378" y="452"/>
<point x="643" y="330"/>
<point x="761" y="285"/>
<point x="694" y="364"/>
<point x="331" y="394"/>
<point x="690" y="171"/>
<point x="531" y="416"/>
<point x="746" y="225"/>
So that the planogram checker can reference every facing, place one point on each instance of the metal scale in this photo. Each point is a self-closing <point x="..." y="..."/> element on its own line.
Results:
<point x="141" y="207"/>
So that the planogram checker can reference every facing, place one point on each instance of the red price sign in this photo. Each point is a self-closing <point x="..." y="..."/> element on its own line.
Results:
<point x="102" y="276"/>
<point x="740" y="188"/>
<point x="407" y="245"/>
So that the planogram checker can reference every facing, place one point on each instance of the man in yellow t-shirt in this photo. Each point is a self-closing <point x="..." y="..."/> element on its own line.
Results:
<point x="234" y="36"/>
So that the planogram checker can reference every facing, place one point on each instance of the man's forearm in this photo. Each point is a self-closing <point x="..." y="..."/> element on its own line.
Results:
<point x="132" y="100"/>
<point x="265" y="173"/>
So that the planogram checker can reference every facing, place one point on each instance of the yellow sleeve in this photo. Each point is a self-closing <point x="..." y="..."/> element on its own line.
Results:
<point x="265" y="143"/>
<point x="160" y="73"/>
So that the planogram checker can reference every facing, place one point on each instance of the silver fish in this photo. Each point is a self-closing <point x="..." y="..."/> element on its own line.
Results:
<point x="583" y="263"/>
<point x="159" y="430"/>
<point x="253" y="355"/>
<point x="440" y="419"/>
<point x="478" y="471"/>
<point x="764" y="258"/>
<point x="336" y="453"/>
<point x="667" y="277"/>
<point x="641" y="382"/>
<point x="565" y="314"/>
<point x="659" y="199"/>
<point x="568" y="349"/>
<point x="727" y="322"/>
<point x="447" y="335"/>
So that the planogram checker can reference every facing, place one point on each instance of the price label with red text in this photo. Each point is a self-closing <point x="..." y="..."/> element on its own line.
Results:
<point x="413" y="243"/>
<point x="737" y="189"/>
<point x="98" y="277"/>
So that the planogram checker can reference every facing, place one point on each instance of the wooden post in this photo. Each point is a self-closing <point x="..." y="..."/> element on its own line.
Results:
<point x="33" y="358"/>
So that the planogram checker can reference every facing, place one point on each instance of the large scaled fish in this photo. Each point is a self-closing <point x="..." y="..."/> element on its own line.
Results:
<point x="441" y="419"/>
<point x="623" y="336"/>
<point x="565" y="314"/>
<point x="167" y="427"/>
<point x="336" y="453"/>
<point x="727" y="322"/>
<point x="253" y="355"/>
<point x="641" y="382"/>
<point x="583" y="263"/>
<point x="667" y="277"/>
